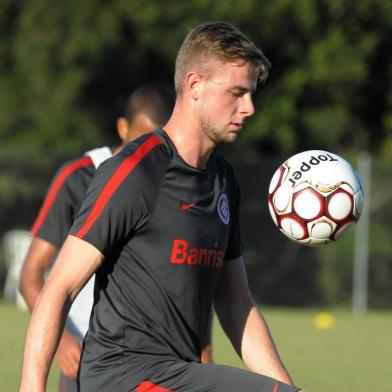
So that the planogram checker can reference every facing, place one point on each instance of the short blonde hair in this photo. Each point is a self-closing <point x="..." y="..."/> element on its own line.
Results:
<point x="222" y="41"/>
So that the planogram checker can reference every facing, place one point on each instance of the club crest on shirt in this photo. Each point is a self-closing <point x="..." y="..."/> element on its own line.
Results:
<point x="223" y="208"/>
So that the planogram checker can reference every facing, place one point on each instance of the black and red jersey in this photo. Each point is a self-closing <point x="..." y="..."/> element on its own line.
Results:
<point x="63" y="200"/>
<point x="58" y="211"/>
<point x="65" y="195"/>
<point x="165" y="229"/>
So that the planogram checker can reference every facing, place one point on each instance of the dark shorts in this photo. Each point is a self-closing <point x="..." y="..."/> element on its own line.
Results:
<point x="67" y="385"/>
<point x="196" y="377"/>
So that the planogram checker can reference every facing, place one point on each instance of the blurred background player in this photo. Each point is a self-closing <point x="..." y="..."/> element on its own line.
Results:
<point x="147" y="107"/>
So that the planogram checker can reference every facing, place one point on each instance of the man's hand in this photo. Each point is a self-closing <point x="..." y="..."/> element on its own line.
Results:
<point x="68" y="355"/>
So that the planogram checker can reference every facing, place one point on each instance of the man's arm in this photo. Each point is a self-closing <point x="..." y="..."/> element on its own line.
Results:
<point x="36" y="263"/>
<point x="75" y="264"/>
<point x="32" y="279"/>
<point x="244" y="324"/>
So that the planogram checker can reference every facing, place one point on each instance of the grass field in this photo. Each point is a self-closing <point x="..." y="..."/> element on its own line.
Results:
<point x="354" y="355"/>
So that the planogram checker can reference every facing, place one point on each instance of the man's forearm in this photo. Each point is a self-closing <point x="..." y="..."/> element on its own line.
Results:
<point x="244" y="324"/>
<point x="30" y="287"/>
<point x="258" y="350"/>
<point x="43" y="335"/>
<point x="75" y="264"/>
<point x="32" y="276"/>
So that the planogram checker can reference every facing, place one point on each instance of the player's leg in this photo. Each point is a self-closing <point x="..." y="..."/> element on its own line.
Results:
<point x="195" y="377"/>
<point x="67" y="384"/>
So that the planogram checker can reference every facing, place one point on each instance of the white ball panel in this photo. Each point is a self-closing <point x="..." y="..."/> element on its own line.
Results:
<point x="315" y="165"/>
<point x="300" y="186"/>
<point x="320" y="230"/>
<point x="324" y="173"/>
<point x="292" y="228"/>
<point x="358" y="203"/>
<point x="282" y="197"/>
<point x="340" y="205"/>
<point x="348" y="188"/>
<point x="275" y="180"/>
<point x="307" y="205"/>
<point x="318" y="241"/>
<point x="358" y="181"/>
<point x="344" y="172"/>
<point x="272" y="212"/>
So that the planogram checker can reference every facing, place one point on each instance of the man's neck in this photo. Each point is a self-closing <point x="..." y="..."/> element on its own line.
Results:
<point x="185" y="132"/>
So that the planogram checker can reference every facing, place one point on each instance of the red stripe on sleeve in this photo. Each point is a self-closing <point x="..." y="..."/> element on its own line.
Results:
<point x="115" y="181"/>
<point x="54" y="189"/>
<point x="147" y="386"/>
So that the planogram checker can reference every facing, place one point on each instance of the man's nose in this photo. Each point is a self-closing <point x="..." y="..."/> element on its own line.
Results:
<point x="247" y="108"/>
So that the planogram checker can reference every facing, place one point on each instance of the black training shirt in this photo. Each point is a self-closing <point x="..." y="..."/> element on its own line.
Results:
<point x="63" y="200"/>
<point x="165" y="229"/>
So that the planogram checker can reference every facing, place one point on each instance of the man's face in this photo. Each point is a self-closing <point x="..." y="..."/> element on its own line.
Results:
<point x="226" y="100"/>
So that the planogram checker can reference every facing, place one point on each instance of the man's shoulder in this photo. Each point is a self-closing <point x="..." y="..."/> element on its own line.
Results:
<point x="146" y="153"/>
<point x="76" y="165"/>
<point x="141" y="165"/>
<point x="145" y="144"/>
<point x="81" y="169"/>
<point x="76" y="169"/>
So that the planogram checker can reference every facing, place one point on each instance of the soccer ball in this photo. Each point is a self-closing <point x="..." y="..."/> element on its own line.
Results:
<point x="315" y="197"/>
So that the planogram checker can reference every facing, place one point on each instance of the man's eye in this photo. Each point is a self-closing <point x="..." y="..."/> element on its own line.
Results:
<point x="237" y="94"/>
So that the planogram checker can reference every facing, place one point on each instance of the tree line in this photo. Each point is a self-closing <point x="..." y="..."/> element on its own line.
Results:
<point x="67" y="68"/>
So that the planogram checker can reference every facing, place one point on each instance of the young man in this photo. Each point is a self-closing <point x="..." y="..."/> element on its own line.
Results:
<point x="159" y="225"/>
<point x="146" y="108"/>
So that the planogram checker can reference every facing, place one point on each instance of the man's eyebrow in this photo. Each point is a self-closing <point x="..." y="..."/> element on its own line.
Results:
<point x="244" y="89"/>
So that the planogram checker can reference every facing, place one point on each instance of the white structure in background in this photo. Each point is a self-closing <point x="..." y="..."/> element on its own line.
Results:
<point x="361" y="250"/>
<point x="16" y="244"/>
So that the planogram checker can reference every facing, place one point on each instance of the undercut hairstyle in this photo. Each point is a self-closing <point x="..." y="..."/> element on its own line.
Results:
<point x="219" y="40"/>
<point x="155" y="100"/>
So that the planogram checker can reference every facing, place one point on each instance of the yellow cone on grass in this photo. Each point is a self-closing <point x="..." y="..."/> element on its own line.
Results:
<point x="324" y="320"/>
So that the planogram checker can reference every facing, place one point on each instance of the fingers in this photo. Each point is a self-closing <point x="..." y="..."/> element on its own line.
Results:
<point x="67" y="368"/>
<point x="68" y="356"/>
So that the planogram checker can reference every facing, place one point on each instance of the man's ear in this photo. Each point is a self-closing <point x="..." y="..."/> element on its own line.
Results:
<point x="122" y="128"/>
<point x="194" y="85"/>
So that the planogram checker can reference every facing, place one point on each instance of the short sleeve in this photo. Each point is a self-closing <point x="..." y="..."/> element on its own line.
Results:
<point x="58" y="209"/>
<point x="116" y="200"/>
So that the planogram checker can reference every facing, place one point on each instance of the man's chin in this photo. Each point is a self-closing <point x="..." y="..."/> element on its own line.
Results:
<point x="223" y="137"/>
<point x="227" y="139"/>
<point x="231" y="137"/>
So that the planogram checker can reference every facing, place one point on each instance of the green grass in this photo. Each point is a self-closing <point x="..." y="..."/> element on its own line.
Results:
<point x="355" y="355"/>
<point x="13" y="324"/>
